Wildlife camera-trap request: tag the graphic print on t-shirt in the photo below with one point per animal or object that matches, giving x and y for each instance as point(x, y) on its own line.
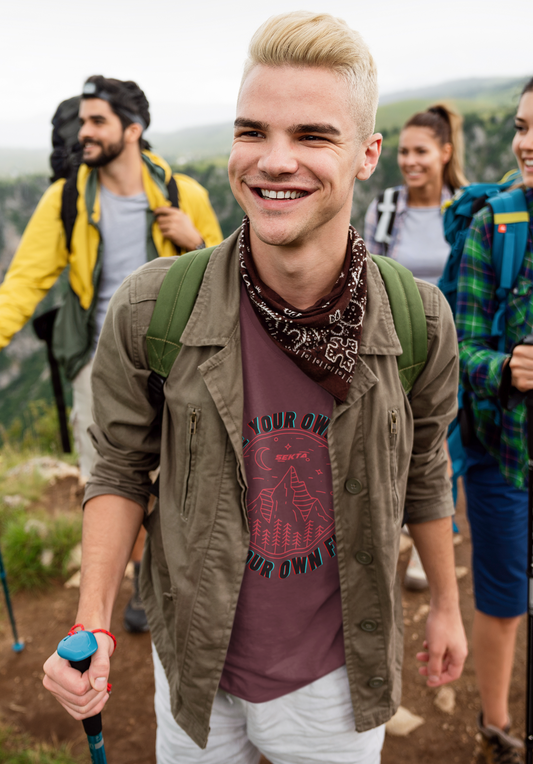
point(290, 502)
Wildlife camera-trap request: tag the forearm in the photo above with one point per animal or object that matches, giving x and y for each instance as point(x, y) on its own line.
point(110, 526)
point(434, 542)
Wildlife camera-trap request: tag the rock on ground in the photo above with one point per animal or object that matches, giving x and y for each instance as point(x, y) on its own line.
point(403, 723)
point(445, 699)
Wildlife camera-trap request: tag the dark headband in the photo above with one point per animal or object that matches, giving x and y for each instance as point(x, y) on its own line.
point(90, 90)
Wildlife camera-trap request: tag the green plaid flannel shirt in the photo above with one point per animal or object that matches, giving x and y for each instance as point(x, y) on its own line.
point(481, 364)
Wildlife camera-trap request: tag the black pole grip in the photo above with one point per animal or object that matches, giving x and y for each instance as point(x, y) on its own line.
point(92, 725)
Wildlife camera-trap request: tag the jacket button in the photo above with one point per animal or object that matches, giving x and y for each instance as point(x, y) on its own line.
point(376, 682)
point(353, 486)
point(364, 558)
point(368, 625)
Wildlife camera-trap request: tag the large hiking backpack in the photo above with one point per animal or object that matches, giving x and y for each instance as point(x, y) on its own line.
point(66, 149)
point(179, 290)
point(510, 218)
point(510, 221)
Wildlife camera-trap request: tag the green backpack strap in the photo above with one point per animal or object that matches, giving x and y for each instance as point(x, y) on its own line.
point(173, 308)
point(409, 318)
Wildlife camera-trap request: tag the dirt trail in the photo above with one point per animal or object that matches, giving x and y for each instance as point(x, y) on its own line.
point(129, 723)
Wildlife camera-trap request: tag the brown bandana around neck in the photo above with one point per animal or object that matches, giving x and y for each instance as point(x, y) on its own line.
point(322, 340)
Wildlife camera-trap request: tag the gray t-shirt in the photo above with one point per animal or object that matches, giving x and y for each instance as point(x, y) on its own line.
point(422, 247)
point(123, 230)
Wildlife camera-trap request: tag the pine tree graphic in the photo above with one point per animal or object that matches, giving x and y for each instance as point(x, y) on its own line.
point(255, 529)
point(286, 536)
point(266, 538)
point(297, 540)
point(276, 539)
point(308, 533)
point(319, 532)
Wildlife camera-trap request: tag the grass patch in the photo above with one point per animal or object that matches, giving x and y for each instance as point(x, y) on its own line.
point(18, 748)
point(36, 549)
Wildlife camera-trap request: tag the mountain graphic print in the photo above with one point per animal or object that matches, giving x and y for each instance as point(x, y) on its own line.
point(290, 503)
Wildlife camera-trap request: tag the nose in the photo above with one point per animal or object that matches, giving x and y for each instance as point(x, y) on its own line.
point(526, 142)
point(277, 158)
point(84, 131)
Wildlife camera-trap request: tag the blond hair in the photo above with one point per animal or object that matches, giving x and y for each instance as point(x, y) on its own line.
point(302, 38)
point(447, 127)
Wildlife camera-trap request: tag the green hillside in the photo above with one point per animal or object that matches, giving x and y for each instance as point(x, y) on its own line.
point(23, 369)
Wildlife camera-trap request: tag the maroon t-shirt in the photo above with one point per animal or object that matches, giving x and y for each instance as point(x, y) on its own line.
point(288, 625)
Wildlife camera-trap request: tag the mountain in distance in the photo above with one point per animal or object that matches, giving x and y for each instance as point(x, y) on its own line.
point(206, 141)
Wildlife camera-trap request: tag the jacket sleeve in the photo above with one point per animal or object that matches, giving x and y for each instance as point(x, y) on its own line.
point(434, 405)
point(126, 432)
point(38, 261)
point(371, 223)
point(194, 200)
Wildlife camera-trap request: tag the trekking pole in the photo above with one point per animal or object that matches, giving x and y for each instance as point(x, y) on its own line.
point(18, 646)
point(529, 692)
point(77, 649)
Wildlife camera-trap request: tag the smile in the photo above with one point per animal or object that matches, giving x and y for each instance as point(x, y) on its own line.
point(267, 194)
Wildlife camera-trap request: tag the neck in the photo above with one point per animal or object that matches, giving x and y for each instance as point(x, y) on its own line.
point(427, 196)
point(123, 176)
point(302, 274)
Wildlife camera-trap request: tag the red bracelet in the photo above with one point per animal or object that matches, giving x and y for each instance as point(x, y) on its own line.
point(81, 627)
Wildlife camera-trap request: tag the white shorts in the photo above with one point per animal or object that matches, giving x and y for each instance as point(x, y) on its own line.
point(81, 417)
point(314, 725)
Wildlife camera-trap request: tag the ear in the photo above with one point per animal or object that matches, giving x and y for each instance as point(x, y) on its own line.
point(133, 133)
point(446, 153)
point(371, 150)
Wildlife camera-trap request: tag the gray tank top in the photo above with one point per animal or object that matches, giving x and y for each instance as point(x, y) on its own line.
point(422, 247)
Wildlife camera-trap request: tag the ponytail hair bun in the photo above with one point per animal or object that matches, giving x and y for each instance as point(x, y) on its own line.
point(447, 127)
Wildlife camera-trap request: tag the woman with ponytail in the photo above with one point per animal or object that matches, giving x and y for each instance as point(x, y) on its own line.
point(405, 222)
point(430, 157)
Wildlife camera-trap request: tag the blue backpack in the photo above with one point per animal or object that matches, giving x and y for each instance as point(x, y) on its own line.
point(511, 220)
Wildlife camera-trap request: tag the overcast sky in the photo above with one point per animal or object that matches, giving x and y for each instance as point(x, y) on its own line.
point(191, 53)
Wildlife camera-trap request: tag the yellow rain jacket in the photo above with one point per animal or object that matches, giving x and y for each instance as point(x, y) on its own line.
point(42, 255)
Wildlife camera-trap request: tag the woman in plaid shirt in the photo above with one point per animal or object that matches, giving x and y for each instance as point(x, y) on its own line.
point(496, 479)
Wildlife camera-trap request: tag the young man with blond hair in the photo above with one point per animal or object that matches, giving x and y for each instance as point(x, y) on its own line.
point(287, 451)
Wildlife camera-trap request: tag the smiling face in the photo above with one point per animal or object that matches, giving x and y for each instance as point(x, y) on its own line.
point(523, 140)
point(296, 154)
point(421, 157)
point(101, 133)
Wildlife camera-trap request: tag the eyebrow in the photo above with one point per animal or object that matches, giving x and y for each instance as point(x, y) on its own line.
point(322, 129)
point(252, 124)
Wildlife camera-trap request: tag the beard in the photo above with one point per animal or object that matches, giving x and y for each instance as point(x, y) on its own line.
point(107, 153)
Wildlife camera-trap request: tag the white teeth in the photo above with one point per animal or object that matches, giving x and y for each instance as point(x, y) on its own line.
point(267, 194)
point(528, 162)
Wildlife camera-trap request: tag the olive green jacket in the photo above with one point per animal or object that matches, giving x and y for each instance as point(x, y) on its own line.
point(383, 450)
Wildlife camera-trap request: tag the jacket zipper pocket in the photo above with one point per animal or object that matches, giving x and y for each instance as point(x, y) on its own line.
point(393, 458)
point(190, 466)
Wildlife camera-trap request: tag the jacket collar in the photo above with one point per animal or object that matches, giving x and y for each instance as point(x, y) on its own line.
point(215, 315)
point(155, 173)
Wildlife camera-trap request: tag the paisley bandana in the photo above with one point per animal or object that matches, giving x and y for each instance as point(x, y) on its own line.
point(322, 340)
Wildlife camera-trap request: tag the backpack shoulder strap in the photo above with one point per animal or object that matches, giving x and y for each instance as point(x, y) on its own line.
point(511, 222)
point(173, 308)
point(387, 202)
point(173, 192)
point(409, 318)
point(69, 206)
